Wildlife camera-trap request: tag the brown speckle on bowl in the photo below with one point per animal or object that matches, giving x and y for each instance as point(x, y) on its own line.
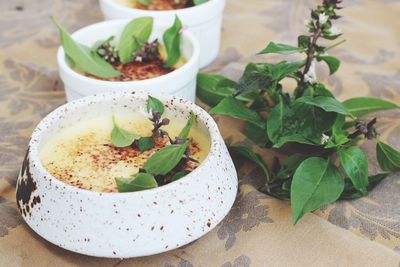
point(25, 190)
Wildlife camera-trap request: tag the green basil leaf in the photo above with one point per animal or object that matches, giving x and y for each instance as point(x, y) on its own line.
point(276, 71)
point(179, 175)
point(84, 57)
point(350, 192)
point(249, 154)
point(212, 88)
point(330, 37)
point(172, 41)
point(138, 182)
point(199, 2)
point(236, 109)
point(302, 123)
point(303, 41)
point(311, 121)
point(155, 104)
point(225, 82)
point(293, 138)
point(355, 163)
point(388, 157)
point(327, 103)
point(337, 127)
point(189, 124)
point(165, 159)
point(290, 165)
point(361, 106)
point(120, 137)
point(280, 49)
point(320, 90)
point(208, 89)
point(146, 143)
point(252, 81)
point(144, 2)
point(136, 30)
point(316, 182)
point(339, 136)
point(256, 134)
point(332, 62)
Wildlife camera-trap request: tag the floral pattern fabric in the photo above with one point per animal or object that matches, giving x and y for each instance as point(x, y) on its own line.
point(258, 230)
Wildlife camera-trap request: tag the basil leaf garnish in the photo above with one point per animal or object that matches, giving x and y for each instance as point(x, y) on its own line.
point(146, 143)
point(172, 41)
point(137, 182)
point(144, 2)
point(85, 58)
point(136, 30)
point(120, 137)
point(165, 159)
point(179, 175)
point(185, 131)
point(153, 104)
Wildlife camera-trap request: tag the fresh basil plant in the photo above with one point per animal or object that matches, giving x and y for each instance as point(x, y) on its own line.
point(319, 133)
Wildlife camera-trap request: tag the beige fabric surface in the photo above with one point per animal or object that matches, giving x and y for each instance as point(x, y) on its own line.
point(257, 231)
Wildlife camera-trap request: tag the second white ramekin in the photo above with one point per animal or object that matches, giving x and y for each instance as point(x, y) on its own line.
point(180, 82)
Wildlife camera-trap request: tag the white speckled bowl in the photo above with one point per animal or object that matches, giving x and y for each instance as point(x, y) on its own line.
point(180, 82)
point(204, 21)
point(122, 225)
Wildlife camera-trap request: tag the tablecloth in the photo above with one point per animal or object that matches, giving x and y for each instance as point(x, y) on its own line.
point(258, 230)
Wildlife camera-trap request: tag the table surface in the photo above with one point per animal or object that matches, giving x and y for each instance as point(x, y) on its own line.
point(257, 231)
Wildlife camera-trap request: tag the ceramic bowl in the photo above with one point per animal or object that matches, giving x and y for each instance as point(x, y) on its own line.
point(121, 225)
point(180, 82)
point(203, 20)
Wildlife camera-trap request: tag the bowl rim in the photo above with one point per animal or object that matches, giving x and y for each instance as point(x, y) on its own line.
point(192, 61)
point(74, 106)
point(210, 4)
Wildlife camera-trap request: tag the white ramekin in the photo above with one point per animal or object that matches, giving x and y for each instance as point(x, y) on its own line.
point(122, 225)
point(204, 21)
point(180, 82)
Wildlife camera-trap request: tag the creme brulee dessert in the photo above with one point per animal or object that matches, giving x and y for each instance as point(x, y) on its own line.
point(83, 155)
point(131, 56)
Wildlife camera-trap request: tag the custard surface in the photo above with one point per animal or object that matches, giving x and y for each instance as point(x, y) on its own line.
point(83, 156)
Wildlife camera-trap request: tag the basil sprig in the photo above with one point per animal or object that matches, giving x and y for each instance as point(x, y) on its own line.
point(153, 104)
point(314, 128)
point(84, 57)
point(161, 162)
point(172, 42)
